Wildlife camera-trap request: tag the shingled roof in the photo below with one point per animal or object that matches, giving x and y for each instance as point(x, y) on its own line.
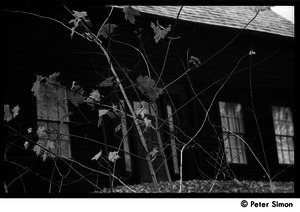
point(226, 16)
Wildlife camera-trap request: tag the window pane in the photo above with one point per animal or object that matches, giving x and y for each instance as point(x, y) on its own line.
point(235, 158)
point(286, 157)
point(291, 143)
point(284, 143)
point(62, 104)
point(280, 156)
point(277, 127)
point(278, 143)
point(292, 157)
point(173, 142)
point(64, 141)
point(224, 123)
point(228, 154)
point(128, 165)
point(51, 107)
point(290, 129)
point(232, 119)
point(284, 130)
point(222, 108)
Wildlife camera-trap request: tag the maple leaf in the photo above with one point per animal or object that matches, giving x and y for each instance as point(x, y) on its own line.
point(117, 128)
point(41, 131)
point(15, 111)
point(37, 149)
point(94, 96)
point(195, 61)
point(252, 52)
point(36, 86)
point(29, 130)
point(159, 31)
point(76, 94)
point(44, 156)
point(147, 85)
point(78, 16)
point(148, 124)
point(115, 108)
point(50, 145)
point(101, 113)
point(153, 152)
point(130, 12)
point(107, 82)
point(141, 110)
point(113, 156)
point(26, 144)
point(7, 114)
point(111, 115)
point(261, 8)
point(97, 156)
point(107, 30)
point(52, 79)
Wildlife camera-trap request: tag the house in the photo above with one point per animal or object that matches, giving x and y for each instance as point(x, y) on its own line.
point(245, 82)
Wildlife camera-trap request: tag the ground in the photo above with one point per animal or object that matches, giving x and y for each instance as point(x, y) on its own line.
point(209, 186)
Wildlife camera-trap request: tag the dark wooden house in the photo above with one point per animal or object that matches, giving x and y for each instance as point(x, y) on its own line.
point(235, 108)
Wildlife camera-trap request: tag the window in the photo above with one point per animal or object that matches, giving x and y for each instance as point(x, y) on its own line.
point(52, 114)
point(284, 134)
point(233, 131)
point(128, 163)
point(148, 110)
point(172, 139)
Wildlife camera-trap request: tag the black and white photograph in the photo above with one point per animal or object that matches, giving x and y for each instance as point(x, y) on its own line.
point(149, 101)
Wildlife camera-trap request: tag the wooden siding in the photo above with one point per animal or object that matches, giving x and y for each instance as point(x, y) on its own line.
point(29, 52)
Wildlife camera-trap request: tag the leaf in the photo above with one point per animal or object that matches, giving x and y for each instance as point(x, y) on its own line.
point(26, 144)
point(15, 111)
point(52, 79)
point(252, 53)
point(65, 116)
point(130, 12)
point(41, 131)
point(111, 115)
point(147, 85)
point(36, 86)
point(37, 149)
point(141, 110)
point(115, 108)
point(195, 61)
point(159, 31)
point(97, 156)
point(29, 130)
point(94, 96)
point(113, 156)
point(148, 124)
point(101, 113)
point(107, 82)
point(117, 128)
point(99, 121)
point(153, 152)
point(76, 94)
point(50, 145)
point(44, 156)
point(78, 16)
point(107, 30)
point(261, 8)
point(7, 114)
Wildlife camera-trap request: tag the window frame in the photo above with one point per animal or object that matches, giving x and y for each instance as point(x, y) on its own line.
point(239, 143)
point(281, 135)
point(42, 122)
